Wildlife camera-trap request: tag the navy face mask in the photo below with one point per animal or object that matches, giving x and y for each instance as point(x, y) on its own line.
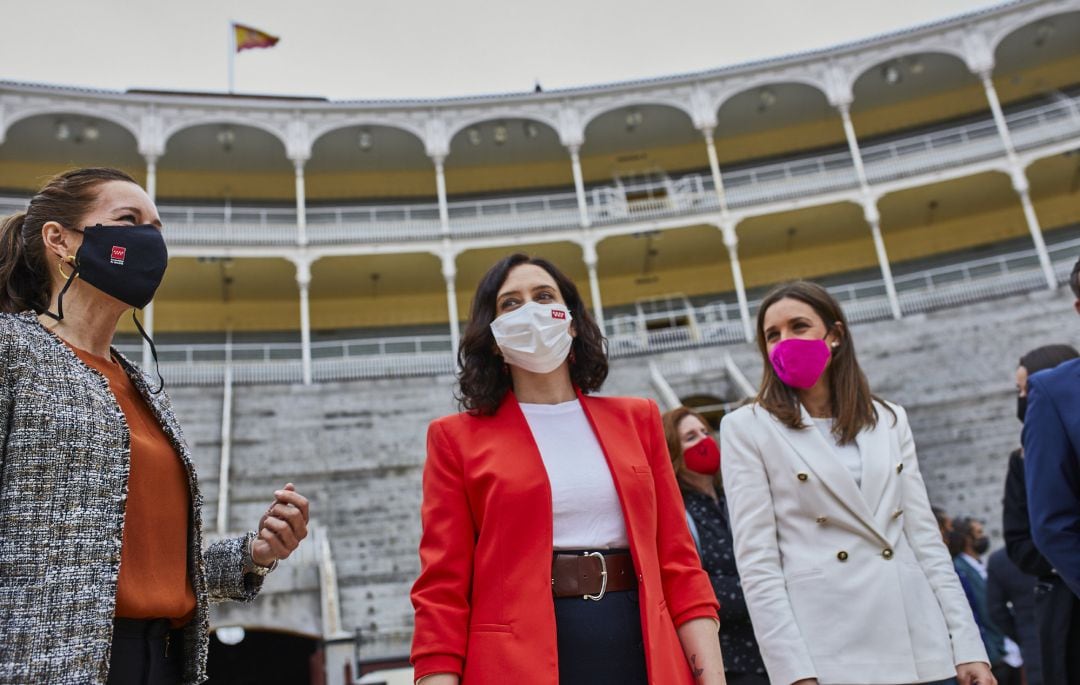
point(126, 262)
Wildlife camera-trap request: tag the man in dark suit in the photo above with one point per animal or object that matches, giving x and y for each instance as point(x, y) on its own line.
point(1052, 470)
point(968, 544)
point(1010, 599)
point(1054, 602)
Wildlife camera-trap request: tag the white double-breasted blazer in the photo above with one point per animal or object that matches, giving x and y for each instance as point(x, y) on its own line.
point(845, 583)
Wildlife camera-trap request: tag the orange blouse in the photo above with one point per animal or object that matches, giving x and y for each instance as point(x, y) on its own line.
point(154, 579)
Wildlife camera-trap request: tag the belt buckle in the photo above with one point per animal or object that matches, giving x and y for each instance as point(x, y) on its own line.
point(603, 576)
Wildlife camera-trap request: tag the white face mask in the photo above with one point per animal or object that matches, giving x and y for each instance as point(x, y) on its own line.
point(535, 337)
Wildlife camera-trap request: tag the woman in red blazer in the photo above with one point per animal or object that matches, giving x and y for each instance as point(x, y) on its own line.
point(555, 548)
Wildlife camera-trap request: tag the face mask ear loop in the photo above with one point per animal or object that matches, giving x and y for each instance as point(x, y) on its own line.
point(59, 315)
point(153, 352)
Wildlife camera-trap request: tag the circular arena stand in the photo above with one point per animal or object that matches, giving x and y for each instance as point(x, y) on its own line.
point(323, 253)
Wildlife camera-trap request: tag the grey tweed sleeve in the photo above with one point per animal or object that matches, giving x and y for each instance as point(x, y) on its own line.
point(225, 577)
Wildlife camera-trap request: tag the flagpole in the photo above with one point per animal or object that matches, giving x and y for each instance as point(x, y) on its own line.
point(231, 43)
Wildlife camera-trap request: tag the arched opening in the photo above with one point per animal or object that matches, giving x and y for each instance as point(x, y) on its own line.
point(390, 295)
point(643, 149)
point(254, 656)
point(40, 146)
point(203, 297)
point(826, 243)
point(953, 216)
point(711, 408)
point(1055, 190)
point(1040, 59)
point(368, 163)
point(224, 163)
point(914, 91)
point(506, 155)
point(775, 119)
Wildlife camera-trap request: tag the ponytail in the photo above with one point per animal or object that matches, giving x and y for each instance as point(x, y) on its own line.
point(26, 282)
point(24, 263)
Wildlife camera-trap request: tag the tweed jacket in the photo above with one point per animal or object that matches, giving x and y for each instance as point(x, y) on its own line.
point(63, 489)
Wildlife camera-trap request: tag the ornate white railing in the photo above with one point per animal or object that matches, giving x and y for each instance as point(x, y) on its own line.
point(903, 157)
point(685, 327)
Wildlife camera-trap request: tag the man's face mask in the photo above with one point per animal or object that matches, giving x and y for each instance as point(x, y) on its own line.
point(125, 262)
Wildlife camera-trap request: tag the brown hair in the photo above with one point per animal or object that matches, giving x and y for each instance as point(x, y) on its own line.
point(24, 265)
point(852, 402)
point(483, 380)
point(671, 420)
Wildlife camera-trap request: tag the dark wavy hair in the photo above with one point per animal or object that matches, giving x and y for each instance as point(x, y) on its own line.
point(852, 402)
point(483, 380)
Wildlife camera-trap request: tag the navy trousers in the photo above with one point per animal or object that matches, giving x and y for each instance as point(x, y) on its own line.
point(146, 653)
point(600, 643)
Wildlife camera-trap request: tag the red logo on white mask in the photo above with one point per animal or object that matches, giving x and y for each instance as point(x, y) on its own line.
point(558, 314)
point(119, 254)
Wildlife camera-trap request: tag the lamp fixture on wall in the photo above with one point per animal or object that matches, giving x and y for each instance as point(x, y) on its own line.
point(891, 74)
point(1043, 33)
point(531, 130)
point(766, 99)
point(76, 133)
point(473, 135)
point(364, 140)
point(226, 136)
point(634, 118)
point(500, 134)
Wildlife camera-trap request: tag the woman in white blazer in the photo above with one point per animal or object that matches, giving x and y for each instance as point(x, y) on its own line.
point(841, 560)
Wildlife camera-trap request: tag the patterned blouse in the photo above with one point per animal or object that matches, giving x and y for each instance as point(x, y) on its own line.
point(63, 485)
point(718, 559)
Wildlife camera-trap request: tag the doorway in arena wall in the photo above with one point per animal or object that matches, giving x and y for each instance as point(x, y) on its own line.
point(253, 656)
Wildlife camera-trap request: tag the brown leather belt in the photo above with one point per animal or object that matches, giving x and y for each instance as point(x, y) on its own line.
point(590, 575)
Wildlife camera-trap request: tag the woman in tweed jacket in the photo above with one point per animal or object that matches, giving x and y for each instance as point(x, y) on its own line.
point(67, 455)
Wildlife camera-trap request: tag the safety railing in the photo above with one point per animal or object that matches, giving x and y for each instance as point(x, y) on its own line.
point(689, 326)
point(746, 186)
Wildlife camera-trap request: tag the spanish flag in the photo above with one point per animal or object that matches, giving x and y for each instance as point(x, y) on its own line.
point(247, 38)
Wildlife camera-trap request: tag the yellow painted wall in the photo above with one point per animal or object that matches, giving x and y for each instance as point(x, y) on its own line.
point(31, 176)
point(903, 243)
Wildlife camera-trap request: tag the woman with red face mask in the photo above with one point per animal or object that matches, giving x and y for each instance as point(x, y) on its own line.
point(840, 556)
point(695, 457)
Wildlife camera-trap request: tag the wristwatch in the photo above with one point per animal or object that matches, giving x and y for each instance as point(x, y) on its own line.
point(249, 562)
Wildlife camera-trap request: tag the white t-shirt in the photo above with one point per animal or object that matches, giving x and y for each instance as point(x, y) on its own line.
point(586, 508)
point(848, 455)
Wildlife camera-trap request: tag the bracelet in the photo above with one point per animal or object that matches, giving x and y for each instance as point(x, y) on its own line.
point(249, 561)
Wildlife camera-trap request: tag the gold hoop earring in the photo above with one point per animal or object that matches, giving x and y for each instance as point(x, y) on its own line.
point(60, 267)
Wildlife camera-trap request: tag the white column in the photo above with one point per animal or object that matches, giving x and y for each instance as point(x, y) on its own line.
point(148, 310)
point(449, 271)
point(151, 177)
point(714, 166)
point(440, 188)
point(999, 116)
point(303, 282)
point(591, 262)
point(301, 203)
point(873, 217)
point(1019, 180)
point(1020, 185)
point(731, 242)
point(579, 186)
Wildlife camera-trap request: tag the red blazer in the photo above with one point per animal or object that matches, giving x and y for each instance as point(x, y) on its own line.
point(483, 601)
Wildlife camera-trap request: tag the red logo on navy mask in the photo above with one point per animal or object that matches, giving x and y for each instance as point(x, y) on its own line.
point(557, 314)
point(118, 255)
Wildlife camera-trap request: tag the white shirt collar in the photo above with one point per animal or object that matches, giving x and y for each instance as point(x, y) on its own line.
point(979, 566)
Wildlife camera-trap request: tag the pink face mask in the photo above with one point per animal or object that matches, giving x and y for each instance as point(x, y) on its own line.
point(703, 457)
point(799, 362)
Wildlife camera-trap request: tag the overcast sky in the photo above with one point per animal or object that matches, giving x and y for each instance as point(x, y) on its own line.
point(376, 49)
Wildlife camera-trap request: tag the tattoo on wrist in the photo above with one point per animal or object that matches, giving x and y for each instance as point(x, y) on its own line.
point(694, 667)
